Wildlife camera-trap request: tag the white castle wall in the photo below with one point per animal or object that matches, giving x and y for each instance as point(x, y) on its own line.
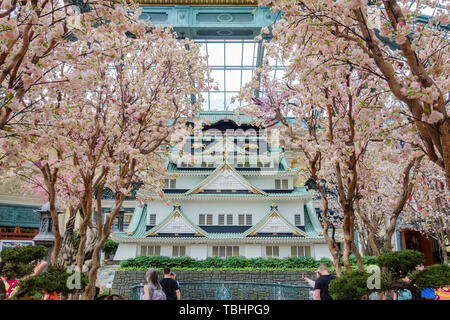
point(126, 251)
point(258, 208)
point(202, 251)
point(268, 182)
point(261, 182)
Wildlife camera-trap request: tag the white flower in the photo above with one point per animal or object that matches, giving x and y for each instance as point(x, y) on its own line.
point(434, 116)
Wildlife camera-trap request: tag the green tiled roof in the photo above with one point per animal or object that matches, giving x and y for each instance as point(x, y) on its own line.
point(12, 215)
point(214, 116)
point(312, 224)
point(138, 223)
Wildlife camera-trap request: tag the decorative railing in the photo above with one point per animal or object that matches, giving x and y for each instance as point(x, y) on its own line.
point(18, 235)
point(234, 291)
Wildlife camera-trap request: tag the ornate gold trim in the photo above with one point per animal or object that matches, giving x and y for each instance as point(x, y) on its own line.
point(177, 214)
point(274, 214)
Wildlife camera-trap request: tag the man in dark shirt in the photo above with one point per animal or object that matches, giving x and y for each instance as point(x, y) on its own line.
point(321, 284)
point(170, 286)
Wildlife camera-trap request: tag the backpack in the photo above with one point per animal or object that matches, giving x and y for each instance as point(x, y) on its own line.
point(157, 294)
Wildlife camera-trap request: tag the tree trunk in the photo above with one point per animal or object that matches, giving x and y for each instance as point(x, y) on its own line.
point(445, 141)
point(89, 291)
point(443, 249)
point(86, 205)
point(92, 238)
point(358, 257)
point(66, 253)
point(348, 238)
point(56, 233)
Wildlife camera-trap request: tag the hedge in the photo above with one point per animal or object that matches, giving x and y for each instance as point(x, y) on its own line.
point(231, 263)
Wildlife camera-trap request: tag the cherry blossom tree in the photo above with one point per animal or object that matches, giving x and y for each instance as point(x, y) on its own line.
point(31, 33)
point(384, 189)
point(428, 207)
point(382, 40)
point(127, 91)
point(333, 127)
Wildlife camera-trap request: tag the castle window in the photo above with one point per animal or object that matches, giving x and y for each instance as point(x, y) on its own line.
point(300, 251)
point(178, 251)
point(170, 183)
point(225, 251)
point(152, 219)
point(205, 219)
point(127, 218)
point(221, 219)
point(229, 219)
point(148, 251)
point(298, 219)
point(272, 251)
point(281, 184)
point(245, 219)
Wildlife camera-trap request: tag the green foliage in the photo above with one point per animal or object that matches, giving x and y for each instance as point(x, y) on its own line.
point(76, 238)
point(230, 263)
point(401, 262)
point(350, 286)
point(326, 261)
point(369, 260)
point(110, 247)
point(24, 254)
point(55, 279)
point(19, 261)
point(434, 276)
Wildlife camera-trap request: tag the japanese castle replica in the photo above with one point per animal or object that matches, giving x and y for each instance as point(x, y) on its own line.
point(231, 193)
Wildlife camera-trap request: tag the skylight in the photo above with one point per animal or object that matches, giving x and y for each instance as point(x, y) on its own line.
point(232, 64)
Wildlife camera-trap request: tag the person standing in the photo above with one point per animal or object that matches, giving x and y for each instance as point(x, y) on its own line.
point(173, 275)
point(153, 290)
point(321, 284)
point(170, 286)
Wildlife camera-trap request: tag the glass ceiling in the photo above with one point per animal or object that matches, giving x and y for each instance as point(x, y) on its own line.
point(232, 64)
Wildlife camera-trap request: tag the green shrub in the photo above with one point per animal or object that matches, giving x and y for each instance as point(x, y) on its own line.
point(400, 262)
point(434, 276)
point(54, 279)
point(110, 247)
point(350, 286)
point(20, 261)
point(326, 261)
point(369, 260)
point(230, 263)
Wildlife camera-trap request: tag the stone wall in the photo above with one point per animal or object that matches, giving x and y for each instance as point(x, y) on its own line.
point(124, 279)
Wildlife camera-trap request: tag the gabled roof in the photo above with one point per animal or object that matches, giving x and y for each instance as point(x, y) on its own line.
point(225, 174)
point(177, 223)
point(274, 218)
